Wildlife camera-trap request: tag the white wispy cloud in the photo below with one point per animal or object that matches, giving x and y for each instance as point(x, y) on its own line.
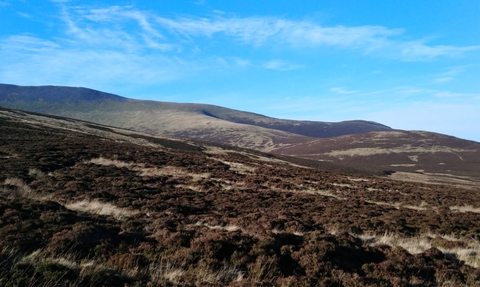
point(263, 30)
point(418, 51)
point(106, 44)
point(449, 75)
point(29, 60)
point(342, 91)
point(112, 27)
point(280, 65)
point(300, 34)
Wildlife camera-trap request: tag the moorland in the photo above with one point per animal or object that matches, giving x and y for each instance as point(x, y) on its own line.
point(418, 156)
point(84, 204)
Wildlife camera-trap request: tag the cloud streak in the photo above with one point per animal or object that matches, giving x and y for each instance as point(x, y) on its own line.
point(123, 44)
point(342, 91)
point(112, 24)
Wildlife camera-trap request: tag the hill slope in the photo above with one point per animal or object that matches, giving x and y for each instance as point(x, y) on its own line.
point(429, 156)
point(415, 155)
point(162, 117)
point(88, 205)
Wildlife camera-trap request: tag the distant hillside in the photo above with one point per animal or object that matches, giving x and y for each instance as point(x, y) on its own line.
point(431, 157)
point(425, 156)
point(157, 116)
point(54, 94)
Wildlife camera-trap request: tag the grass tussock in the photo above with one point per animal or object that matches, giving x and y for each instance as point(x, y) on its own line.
point(465, 208)
point(173, 171)
point(228, 227)
point(423, 206)
point(114, 162)
point(100, 208)
point(465, 249)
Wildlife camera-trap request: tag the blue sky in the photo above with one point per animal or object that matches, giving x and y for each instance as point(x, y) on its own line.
point(411, 65)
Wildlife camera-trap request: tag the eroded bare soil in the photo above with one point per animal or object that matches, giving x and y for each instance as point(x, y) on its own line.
point(119, 209)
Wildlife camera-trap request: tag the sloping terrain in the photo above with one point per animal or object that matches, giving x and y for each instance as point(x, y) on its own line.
point(89, 205)
point(197, 121)
point(416, 156)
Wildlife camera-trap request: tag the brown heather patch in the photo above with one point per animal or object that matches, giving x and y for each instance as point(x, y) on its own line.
point(133, 216)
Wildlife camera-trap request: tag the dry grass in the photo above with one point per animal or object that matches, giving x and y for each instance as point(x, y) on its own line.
point(465, 208)
point(165, 270)
point(470, 254)
point(174, 171)
point(229, 227)
point(240, 167)
point(114, 162)
point(327, 193)
point(424, 206)
point(36, 173)
point(224, 275)
point(394, 150)
point(22, 187)
point(436, 178)
point(97, 207)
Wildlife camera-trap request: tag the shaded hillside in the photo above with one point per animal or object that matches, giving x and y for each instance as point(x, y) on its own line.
point(40, 99)
point(89, 205)
point(54, 94)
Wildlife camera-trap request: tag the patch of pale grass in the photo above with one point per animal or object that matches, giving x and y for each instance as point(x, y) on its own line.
point(240, 167)
point(228, 227)
point(114, 162)
point(359, 179)
point(38, 257)
point(165, 270)
point(224, 275)
point(100, 208)
point(342, 185)
point(424, 206)
point(36, 173)
point(172, 171)
point(326, 193)
point(470, 254)
point(465, 208)
point(403, 164)
point(414, 245)
point(22, 187)
point(297, 232)
point(166, 170)
point(394, 150)
point(277, 231)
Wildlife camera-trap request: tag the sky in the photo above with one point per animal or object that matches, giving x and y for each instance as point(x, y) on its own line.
point(412, 65)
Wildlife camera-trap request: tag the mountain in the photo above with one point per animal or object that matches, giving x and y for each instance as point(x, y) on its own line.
point(197, 121)
point(415, 155)
point(84, 204)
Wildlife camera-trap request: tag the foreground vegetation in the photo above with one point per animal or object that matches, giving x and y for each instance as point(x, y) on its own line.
point(84, 205)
